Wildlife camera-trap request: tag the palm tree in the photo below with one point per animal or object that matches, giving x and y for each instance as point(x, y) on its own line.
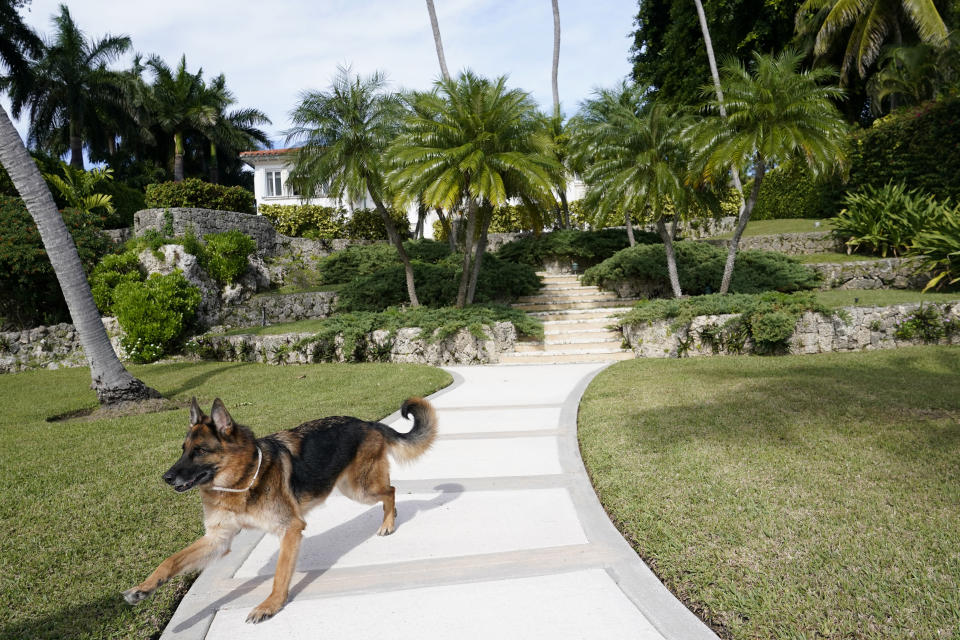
point(775, 113)
point(345, 131)
point(436, 39)
point(556, 56)
point(111, 381)
point(232, 131)
point(69, 82)
point(870, 24)
point(18, 43)
point(475, 142)
point(180, 103)
point(912, 74)
point(638, 161)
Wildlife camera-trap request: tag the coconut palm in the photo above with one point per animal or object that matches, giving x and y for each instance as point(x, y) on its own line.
point(474, 142)
point(18, 43)
point(344, 132)
point(870, 23)
point(556, 57)
point(775, 113)
point(232, 131)
point(69, 82)
point(436, 39)
point(180, 102)
point(637, 160)
point(912, 74)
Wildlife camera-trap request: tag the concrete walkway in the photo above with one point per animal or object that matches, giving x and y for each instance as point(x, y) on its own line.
point(499, 535)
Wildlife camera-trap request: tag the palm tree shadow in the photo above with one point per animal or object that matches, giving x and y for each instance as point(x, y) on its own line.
point(328, 547)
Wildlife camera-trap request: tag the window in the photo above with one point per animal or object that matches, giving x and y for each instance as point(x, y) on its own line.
point(273, 184)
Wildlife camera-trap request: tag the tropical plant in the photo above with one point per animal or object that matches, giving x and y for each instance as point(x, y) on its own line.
point(69, 87)
point(111, 381)
point(639, 162)
point(18, 43)
point(438, 43)
point(775, 113)
point(938, 247)
point(476, 142)
point(344, 132)
point(910, 75)
point(869, 24)
point(232, 131)
point(79, 188)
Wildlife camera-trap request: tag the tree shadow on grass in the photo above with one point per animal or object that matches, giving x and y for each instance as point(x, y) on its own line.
point(195, 381)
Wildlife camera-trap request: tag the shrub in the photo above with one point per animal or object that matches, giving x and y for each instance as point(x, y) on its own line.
point(791, 191)
point(356, 261)
point(29, 291)
point(155, 314)
point(938, 247)
point(225, 255)
point(194, 192)
point(367, 224)
point(700, 270)
point(126, 202)
point(886, 219)
point(584, 247)
point(305, 220)
point(109, 273)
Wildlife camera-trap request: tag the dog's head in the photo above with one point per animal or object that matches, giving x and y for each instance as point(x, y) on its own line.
point(207, 448)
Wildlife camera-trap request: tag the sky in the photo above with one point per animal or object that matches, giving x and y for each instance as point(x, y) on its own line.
point(271, 52)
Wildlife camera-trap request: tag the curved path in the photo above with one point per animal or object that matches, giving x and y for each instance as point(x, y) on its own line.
point(499, 535)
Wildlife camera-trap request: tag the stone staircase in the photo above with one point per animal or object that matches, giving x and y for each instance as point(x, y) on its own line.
point(575, 320)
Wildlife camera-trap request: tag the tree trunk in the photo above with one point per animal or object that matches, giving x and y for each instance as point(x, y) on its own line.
point(745, 212)
point(397, 242)
point(708, 42)
point(421, 221)
point(565, 208)
point(436, 39)
point(467, 251)
point(629, 224)
point(447, 224)
point(76, 147)
point(671, 258)
point(556, 57)
point(478, 256)
point(178, 151)
point(214, 169)
point(111, 381)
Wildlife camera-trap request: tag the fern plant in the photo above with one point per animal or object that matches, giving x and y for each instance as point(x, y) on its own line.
point(78, 188)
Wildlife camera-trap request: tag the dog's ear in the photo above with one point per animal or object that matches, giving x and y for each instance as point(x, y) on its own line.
point(196, 415)
point(221, 418)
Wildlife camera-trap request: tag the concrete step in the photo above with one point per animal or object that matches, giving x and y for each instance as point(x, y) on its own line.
point(551, 288)
point(558, 280)
point(551, 327)
point(568, 296)
point(569, 333)
point(569, 345)
point(577, 314)
point(553, 357)
point(588, 303)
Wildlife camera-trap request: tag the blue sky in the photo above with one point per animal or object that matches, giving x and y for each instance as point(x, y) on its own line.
point(272, 51)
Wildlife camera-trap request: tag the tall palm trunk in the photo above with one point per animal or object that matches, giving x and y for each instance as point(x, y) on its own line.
point(486, 218)
point(394, 237)
point(178, 151)
point(760, 169)
point(436, 39)
point(556, 57)
point(76, 146)
point(466, 273)
point(214, 169)
point(629, 224)
point(447, 224)
point(111, 381)
point(667, 237)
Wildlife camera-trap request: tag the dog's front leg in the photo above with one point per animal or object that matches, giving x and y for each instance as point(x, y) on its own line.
point(286, 562)
point(196, 556)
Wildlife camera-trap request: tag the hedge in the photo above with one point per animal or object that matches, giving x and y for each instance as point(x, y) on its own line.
point(194, 192)
point(585, 247)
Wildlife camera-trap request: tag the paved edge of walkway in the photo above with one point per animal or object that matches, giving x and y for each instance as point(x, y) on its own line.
point(664, 611)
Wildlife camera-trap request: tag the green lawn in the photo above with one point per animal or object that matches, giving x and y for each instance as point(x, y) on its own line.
point(880, 297)
point(310, 325)
point(85, 513)
point(789, 497)
point(785, 225)
point(808, 258)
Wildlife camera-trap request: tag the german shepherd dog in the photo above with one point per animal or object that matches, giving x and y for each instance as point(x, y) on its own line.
point(270, 483)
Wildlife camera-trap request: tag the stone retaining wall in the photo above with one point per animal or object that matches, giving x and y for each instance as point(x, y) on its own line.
point(406, 345)
point(276, 308)
point(886, 273)
point(865, 329)
point(52, 347)
point(789, 243)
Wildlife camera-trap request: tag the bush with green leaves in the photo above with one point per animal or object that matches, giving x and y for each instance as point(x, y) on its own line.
point(791, 191)
point(938, 248)
point(700, 270)
point(886, 220)
point(362, 260)
point(367, 224)
point(126, 202)
point(437, 284)
point(769, 319)
point(225, 255)
point(305, 220)
point(194, 192)
point(436, 324)
point(584, 247)
point(155, 314)
point(109, 273)
point(29, 291)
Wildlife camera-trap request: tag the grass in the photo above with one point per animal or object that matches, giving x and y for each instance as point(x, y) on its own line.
point(789, 497)
point(832, 257)
point(784, 225)
point(880, 297)
point(85, 514)
point(295, 288)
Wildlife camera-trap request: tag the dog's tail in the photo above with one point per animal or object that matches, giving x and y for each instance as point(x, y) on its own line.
point(413, 444)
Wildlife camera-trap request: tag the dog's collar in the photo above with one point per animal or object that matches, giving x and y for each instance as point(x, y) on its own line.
point(252, 480)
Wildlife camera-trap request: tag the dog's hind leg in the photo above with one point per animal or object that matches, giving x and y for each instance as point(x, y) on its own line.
point(286, 562)
point(208, 548)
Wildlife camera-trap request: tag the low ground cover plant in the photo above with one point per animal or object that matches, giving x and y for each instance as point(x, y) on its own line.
point(584, 247)
point(700, 270)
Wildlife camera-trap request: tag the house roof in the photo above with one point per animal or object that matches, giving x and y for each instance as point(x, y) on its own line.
point(266, 153)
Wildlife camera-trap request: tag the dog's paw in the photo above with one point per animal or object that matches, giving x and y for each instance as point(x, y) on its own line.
point(386, 530)
point(262, 612)
point(135, 595)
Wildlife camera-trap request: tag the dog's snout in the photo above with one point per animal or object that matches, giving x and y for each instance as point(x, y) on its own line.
point(169, 476)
